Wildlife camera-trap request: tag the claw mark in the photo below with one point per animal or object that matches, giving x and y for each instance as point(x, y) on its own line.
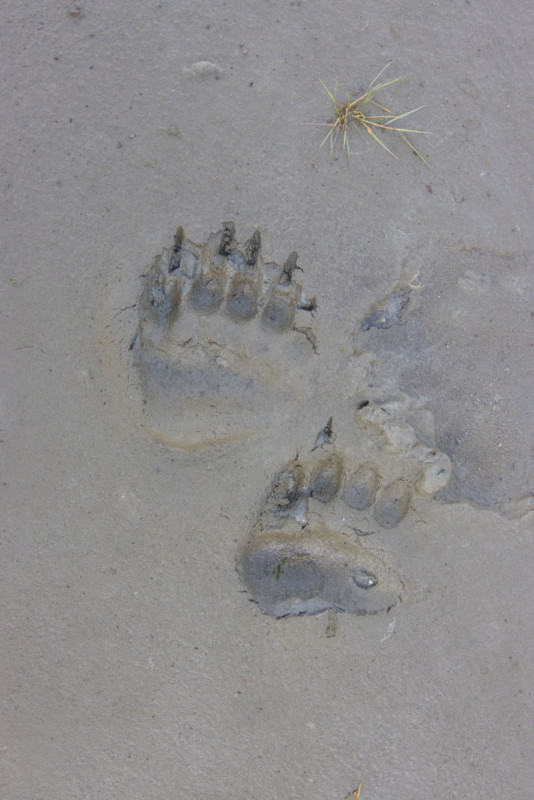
point(326, 435)
point(289, 267)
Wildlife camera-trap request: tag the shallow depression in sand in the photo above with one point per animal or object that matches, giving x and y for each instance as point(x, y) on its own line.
point(222, 340)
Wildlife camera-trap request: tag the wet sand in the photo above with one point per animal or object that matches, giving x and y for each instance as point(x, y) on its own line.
point(134, 662)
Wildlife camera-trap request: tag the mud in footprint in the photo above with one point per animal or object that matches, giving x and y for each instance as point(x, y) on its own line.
point(456, 331)
point(307, 551)
point(222, 335)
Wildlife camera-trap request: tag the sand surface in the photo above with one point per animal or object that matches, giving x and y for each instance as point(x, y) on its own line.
point(133, 663)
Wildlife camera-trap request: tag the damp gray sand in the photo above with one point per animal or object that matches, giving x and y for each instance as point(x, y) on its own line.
point(134, 662)
point(306, 553)
point(313, 570)
point(218, 338)
point(446, 341)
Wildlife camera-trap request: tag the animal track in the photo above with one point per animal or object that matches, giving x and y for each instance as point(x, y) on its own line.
point(218, 333)
point(221, 354)
point(439, 333)
point(296, 562)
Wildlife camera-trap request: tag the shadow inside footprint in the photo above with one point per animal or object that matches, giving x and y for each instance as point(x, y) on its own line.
point(305, 553)
point(218, 340)
point(457, 334)
point(309, 571)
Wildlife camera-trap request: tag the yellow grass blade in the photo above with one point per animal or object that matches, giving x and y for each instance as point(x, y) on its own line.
point(417, 153)
point(380, 142)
